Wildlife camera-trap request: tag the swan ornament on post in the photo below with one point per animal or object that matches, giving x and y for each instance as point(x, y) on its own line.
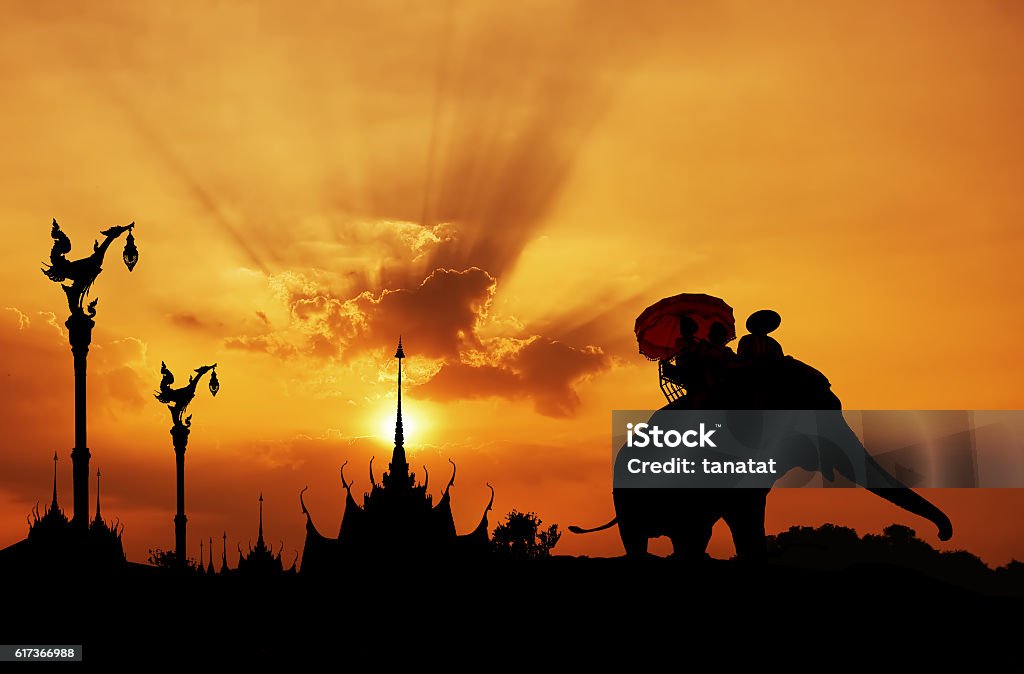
point(76, 278)
point(82, 273)
point(177, 401)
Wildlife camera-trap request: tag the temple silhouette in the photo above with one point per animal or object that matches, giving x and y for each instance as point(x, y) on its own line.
point(210, 569)
point(397, 519)
point(54, 539)
point(261, 560)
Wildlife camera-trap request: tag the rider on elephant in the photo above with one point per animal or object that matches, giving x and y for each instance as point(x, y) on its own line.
point(758, 347)
point(682, 368)
point(700, 365)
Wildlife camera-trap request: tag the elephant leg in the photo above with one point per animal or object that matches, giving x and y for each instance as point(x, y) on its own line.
point(635, 542)
point(632, 510)
point(745, 517)
point(690, 542)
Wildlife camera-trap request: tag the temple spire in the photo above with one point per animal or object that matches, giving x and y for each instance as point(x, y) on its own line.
point(201, 569)
point(210, 570)
point(259, 539)
point(53, 505)
point(98, 476)
point(399, 466)
point(224, 555)
point(399, 431)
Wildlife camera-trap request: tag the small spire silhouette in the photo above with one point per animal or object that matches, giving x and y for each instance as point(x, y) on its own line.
point(98, 475)
point(259, 539)
point(399, 431)
point(399, 466)
point(224, 554)
point(200, 554)
point(53, 505)
point(210, 570)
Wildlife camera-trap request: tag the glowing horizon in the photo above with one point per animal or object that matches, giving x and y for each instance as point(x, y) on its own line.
point(506, 187)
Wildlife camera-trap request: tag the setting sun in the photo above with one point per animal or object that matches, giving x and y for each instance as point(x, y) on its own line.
point(413, 425)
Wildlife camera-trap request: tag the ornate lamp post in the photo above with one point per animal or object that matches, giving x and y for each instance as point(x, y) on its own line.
point(82, 274)
point(177, 400)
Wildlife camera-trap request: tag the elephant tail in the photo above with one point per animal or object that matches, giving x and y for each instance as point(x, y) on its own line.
point(579, 530)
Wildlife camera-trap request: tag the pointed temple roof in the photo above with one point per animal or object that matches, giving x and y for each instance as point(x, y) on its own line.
point(398, 470)
point(224, 555)
point(210, 570)
point(110, 533)
point(53, 504)
point(53, 522)
point(397, 518)
point(261, 560)
point(52, 541)
point(99, 518)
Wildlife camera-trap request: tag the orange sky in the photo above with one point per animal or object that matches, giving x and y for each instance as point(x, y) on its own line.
point(508, 186)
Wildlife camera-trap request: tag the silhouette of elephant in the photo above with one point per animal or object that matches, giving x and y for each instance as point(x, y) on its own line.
point(686, 515)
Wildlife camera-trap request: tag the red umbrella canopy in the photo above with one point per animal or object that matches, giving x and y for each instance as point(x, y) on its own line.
point(657, 328)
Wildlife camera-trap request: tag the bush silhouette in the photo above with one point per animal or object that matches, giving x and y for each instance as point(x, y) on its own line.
point(520, 537)
point(167, 559)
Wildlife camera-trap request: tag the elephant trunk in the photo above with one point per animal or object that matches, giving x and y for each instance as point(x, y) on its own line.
point(880, 482)
point(858, 466)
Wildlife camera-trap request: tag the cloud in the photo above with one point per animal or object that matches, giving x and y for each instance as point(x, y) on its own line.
point(122, 371)
point(440, 316)
point(38, 410)
point(270, 344)
point(125, 386)
point(23, 320)
point(186, 320)
point(31, 379)
point(543, 370)
point(40, 376)
point(440, 320)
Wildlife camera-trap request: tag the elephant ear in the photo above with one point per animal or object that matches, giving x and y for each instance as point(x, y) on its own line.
point(832, 458)
point(827, 469)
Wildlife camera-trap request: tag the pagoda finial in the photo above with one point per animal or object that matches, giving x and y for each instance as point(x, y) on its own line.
point(259, 539)
point(98, 476)
point(53, 505)
point(200, 554)
point(399, 431)
point(224, 554)
point(398, 459)
point(209, 568)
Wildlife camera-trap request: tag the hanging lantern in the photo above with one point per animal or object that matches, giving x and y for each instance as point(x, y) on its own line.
point(214, 383)
point(131, 253)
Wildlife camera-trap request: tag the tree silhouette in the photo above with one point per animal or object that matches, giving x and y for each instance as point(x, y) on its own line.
point(520, 537)
point(899, 534)
point(168, 559)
